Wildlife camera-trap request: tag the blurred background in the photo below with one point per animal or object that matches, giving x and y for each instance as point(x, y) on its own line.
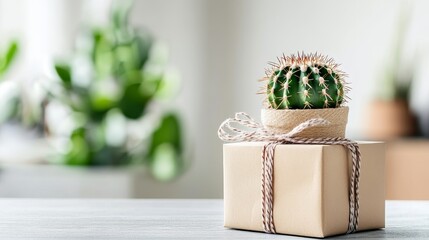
point(123, 99)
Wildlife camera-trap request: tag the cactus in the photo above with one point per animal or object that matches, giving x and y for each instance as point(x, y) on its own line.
point(304, 82)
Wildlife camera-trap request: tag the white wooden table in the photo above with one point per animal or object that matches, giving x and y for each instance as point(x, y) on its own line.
point(165, 219)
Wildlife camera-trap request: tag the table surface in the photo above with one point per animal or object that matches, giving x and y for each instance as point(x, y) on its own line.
point(166, 219)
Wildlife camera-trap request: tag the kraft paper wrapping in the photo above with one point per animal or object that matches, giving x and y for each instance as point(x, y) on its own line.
point(311, 188)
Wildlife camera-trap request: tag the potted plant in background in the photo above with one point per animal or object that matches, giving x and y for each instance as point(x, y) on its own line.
point(19, 107)
point(389, 114)
point(21, 114)
point(113, 93)
point(107, 111)
point(10, 96)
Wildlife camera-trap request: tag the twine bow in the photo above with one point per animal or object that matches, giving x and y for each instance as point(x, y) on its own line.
point(256, 132)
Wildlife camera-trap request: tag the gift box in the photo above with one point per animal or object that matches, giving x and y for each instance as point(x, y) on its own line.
point(311, 185)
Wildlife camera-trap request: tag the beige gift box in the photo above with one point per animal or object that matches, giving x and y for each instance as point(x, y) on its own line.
point(311, 188)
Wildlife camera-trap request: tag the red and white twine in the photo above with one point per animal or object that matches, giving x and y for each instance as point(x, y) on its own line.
point(257, 133)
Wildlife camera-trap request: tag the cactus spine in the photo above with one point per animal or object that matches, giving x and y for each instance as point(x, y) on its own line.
point(305, 81)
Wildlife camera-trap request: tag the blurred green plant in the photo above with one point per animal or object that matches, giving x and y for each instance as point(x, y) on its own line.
point(7, 57)
point(116, 76)
point(10, 103)
point(17, 104)
point(397, 76)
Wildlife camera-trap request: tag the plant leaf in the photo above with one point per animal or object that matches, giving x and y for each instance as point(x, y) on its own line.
point(133, 102)
point(79, 153)
point(169, 131)
point(165, 150)
point(10, 55)
point(64, 72)
point(141, 46)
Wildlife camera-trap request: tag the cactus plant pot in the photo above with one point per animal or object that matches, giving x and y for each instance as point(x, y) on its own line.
point(284, 120)
point(388, 120)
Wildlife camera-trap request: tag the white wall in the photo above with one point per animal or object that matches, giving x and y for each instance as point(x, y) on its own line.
point(222, 47)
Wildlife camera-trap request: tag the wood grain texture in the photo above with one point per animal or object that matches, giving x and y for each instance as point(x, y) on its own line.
point(165, 219)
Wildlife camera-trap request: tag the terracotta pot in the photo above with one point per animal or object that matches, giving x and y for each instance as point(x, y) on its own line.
point(389, 119)
point(283, 121)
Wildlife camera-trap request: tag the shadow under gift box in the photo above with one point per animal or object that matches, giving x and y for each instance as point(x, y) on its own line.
point(311, 188)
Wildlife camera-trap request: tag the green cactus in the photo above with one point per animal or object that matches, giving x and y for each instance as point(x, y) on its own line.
point(305, 81)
